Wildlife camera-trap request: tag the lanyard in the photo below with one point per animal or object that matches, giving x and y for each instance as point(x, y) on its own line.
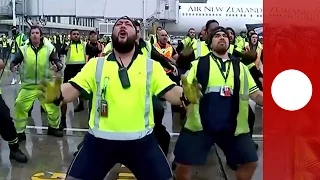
point(221, 71)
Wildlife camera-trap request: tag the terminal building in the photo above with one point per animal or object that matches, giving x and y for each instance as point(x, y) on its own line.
point(85, 15)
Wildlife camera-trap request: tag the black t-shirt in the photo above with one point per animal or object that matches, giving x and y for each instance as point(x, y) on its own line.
point(92, 50)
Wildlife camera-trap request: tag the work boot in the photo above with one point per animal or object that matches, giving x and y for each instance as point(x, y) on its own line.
point(17, 154)
point(80, 107)
point(55, 132)
point(21, 137)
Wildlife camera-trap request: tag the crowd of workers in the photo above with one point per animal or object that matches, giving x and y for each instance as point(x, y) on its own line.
point(208, 80)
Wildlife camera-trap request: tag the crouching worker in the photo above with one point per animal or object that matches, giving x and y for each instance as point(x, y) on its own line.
point(37, 59)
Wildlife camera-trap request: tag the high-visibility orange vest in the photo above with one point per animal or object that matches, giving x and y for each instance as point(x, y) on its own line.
point(167, 52)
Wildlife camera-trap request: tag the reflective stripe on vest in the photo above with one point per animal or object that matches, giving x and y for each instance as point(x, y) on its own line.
point(198, 49)
point(76, 61)
point(121, 135)
point(244, 96)
point(4, 43)
point(149, 48)
point(251, 65)
point(24, 67)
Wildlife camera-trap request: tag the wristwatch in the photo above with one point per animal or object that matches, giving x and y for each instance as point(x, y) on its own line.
point(184, 100)
point(58, 101)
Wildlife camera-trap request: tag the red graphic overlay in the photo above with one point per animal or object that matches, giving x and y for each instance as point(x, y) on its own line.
point(291, 138)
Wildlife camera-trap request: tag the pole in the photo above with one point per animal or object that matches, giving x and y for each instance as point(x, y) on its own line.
point(14, 16)
point(144, 2)
point(23, 14)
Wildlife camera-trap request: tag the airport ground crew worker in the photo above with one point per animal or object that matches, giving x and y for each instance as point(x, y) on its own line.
point(189, 39)
point(161, 134)
point(93, 47)
point(223, 112)
point(7, 130)
point(254, 46)
point(35, 60)
point(75, 59)
point(234, 49)
point(247, 58)
point(240, 41)
point(154, 37)
point(115, 136)
point(195, 50)
point(163, 47)
point(18, 39)
point(5, 47)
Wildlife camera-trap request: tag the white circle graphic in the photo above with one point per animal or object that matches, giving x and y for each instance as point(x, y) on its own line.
point(291, 90)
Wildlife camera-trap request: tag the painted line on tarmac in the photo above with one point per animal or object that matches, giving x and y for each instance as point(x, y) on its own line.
point(125, 175)
point(85, 130)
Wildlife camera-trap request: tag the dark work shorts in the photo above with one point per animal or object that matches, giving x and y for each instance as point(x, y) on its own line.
point(97, 156)
point(71, 71)
point(192, 148)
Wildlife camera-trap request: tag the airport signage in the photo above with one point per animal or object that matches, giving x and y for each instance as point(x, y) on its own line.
point(223, 9)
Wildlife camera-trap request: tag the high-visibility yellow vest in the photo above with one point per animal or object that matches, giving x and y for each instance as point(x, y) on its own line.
point(241, 43)
point(55, 39)
point(108, 48)
point(215, 83)
point(251, 65)
point(154, 38)
point(147, 50)
point(138, 121)
point(35, 67)
point(231, 48)
point(4, 43)
point(200, 48)
point(76, 54)
point(186, 41)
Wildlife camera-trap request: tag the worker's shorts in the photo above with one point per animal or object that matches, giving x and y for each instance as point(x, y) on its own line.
point(192, 148)
point(71, 71)
point(97, 156)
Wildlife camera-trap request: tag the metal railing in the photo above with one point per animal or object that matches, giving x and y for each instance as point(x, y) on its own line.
point(150, 20)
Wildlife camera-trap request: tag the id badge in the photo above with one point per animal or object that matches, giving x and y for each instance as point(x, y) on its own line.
point(225, 91)
point(104, 108)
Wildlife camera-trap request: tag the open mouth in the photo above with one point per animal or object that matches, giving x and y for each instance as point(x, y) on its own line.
point(123, 34)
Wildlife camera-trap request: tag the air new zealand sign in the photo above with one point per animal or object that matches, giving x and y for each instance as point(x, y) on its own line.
point(223, 9)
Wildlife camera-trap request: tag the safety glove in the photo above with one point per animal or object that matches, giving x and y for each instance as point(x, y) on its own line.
point(188, 49)
point(191, 91)
point(48, 92)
